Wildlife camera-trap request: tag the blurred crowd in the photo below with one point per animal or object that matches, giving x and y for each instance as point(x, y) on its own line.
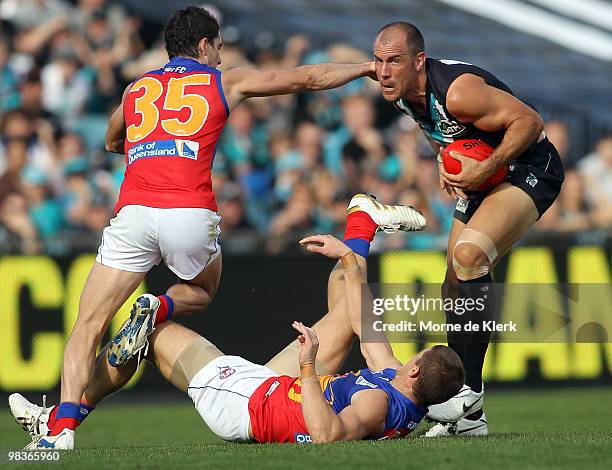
point(285, 166)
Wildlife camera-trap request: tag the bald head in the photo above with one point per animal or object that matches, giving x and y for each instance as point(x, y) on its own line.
point(409, 33)
point(399, 57)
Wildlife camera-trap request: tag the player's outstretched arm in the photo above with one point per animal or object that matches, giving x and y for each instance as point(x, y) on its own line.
point(375, 348)
point(240, 83)
point(115, 132)
point(363, 418)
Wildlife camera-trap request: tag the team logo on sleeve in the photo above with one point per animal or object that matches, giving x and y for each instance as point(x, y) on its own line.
point(225, 372)
point(364, 383)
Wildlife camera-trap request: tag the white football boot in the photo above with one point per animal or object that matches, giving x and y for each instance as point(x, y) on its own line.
point(463, 427)
point(63, 441)
point(132, 338)
point(466, 402)
point(389, 218)
point(32, 418)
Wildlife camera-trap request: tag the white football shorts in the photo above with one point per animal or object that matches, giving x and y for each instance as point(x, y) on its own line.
point(139, 237)
point(221, 391)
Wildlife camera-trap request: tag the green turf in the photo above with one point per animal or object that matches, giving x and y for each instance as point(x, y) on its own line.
point(529, 429)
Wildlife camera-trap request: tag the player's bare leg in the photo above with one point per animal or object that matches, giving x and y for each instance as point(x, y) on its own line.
point(167, 343)
point(178, 352)
point(337, 329)
point(106, 379)
point(105, 291)
point(504, 227)
point(183, 298)
point(333, 330)
point(484, 240)
point(175, 350)
point(197, 294)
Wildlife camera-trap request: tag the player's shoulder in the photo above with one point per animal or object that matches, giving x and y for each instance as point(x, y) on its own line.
point(444, 74)
point(450, 65)
point(238, 75)
point(445, 71)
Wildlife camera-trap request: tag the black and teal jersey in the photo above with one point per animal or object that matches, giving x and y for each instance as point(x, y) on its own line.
point(437, 122)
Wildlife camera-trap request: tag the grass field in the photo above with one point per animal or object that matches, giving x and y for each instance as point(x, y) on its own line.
point(569, 428)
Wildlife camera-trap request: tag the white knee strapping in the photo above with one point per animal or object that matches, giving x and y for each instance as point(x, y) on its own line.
point(483, 242)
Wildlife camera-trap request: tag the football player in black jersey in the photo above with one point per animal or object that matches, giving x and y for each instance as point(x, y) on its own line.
point(452, 100)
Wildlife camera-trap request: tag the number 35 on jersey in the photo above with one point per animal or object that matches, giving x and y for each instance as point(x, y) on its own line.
point(177, 99)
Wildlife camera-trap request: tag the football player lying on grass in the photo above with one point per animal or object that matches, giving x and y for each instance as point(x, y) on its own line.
point(298, 395)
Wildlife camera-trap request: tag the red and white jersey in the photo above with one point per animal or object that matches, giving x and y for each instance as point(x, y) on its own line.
point(173, 117)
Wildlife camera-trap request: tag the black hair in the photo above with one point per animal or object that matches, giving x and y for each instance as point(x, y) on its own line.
point(187, 28)
point(414, 38)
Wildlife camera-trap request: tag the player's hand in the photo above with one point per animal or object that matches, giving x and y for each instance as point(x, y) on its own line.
point(372, 71)
point(309, 343)
point(473, 172)
point(326, 245)
point(452, 191)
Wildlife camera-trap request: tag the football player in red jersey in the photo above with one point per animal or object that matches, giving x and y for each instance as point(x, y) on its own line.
point(298, 395)
point(167, 125)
